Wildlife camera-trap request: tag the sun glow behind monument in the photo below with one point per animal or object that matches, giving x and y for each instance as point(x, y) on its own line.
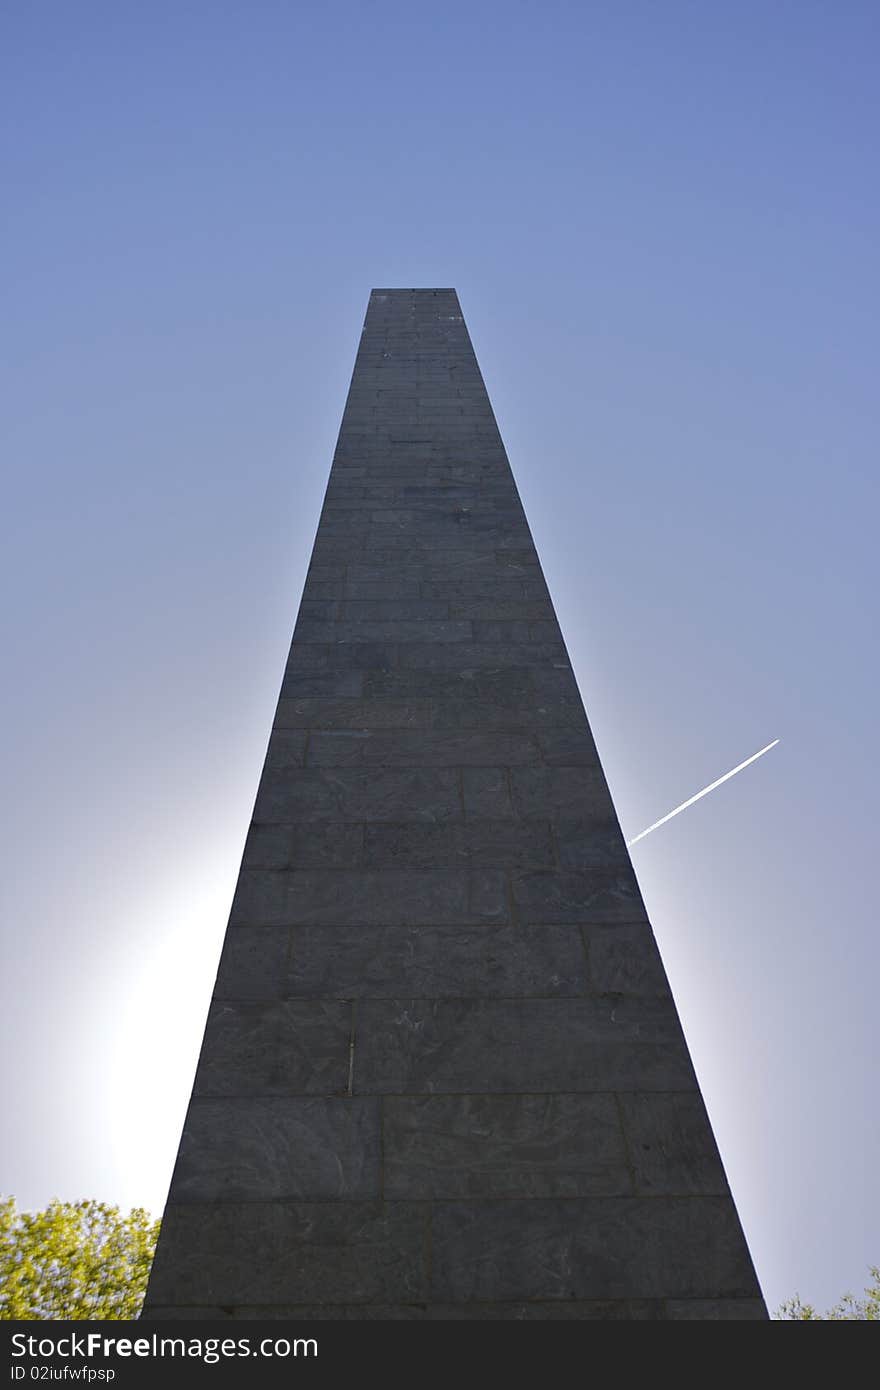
point(147, 1069)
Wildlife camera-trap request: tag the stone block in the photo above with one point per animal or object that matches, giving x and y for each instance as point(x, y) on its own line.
point(300, 685)
point(429, 962)
point(275, 1048)
point(502, 844)
point(353, 794)
point(473, 656)
point(420, 748)
point(595, 1247)
point(397, 609)
point(311, 630)
point(624, 959)
point(321, 845)
point(343, 714)
point(423, 1046)
point(286, 749)
point(589, 895)
point(444, 1147)
point(591, 844)
point(486, 793)
point(278, 1252)
point(380, 897)
point(671, 1145)
point(335, 656)
point(559, 792)
point(246, 1149)
point(253, 963)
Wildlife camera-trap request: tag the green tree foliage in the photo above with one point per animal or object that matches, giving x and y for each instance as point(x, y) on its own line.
point(74, 1260)
point(849, 1309)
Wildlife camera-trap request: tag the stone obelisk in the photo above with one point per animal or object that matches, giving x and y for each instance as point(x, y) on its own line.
point(443, 1075)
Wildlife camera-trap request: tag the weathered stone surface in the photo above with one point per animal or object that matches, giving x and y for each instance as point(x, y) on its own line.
point(244, 1149)
point(589, 844)
point(286, 750)
point(475, 656)
point(420, 748)
point(273, 1252)
point(353, 794)
point(559, 792)
point(369, 897)
point(591, 895)
point(319, 713)
point(596, 1247)
point(671, 1146)
point(396, 609)
point(432, 962)
point(568, 746)
point(486, 793)
point(323, 684)
point(322, 845)
point(275, 1048)
point(491, 843)
point(312, 630)
point(253, 963)
point(624, 960)
point(519, 1045)
point(314, 657)
point(503, 1146)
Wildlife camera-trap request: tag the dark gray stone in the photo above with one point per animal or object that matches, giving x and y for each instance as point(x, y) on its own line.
point(418, 1046)
point(253, 964)
point(671, 1146)
point(568, 745)
point(566, 792)
point(337, 897)
point(595, 1247)
point(334, 656)
point(469, 656)
point(323, 845)
point(402, 608)
point(429, 962)
point(519, 610)
point(503, 1146)
point(591, 895)
point(352, 794)
point(589, 844)
point(486, 793)
point(275, 1252)
point(415, 748)
point(262, 1150)
point(625, 960)
point(490, 843)
point(275, 1048)
point(312, 630)
point(286, 750)
point(315, 713)
point(443, 1076)
point(480, 687)
point(323, 684)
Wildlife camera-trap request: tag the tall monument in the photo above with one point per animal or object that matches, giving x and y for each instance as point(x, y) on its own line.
point(443, 1075)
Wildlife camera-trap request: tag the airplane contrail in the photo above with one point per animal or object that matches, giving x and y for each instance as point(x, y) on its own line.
point(705, 792)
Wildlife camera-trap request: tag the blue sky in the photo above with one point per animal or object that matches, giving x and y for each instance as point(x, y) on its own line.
point(662, 222)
